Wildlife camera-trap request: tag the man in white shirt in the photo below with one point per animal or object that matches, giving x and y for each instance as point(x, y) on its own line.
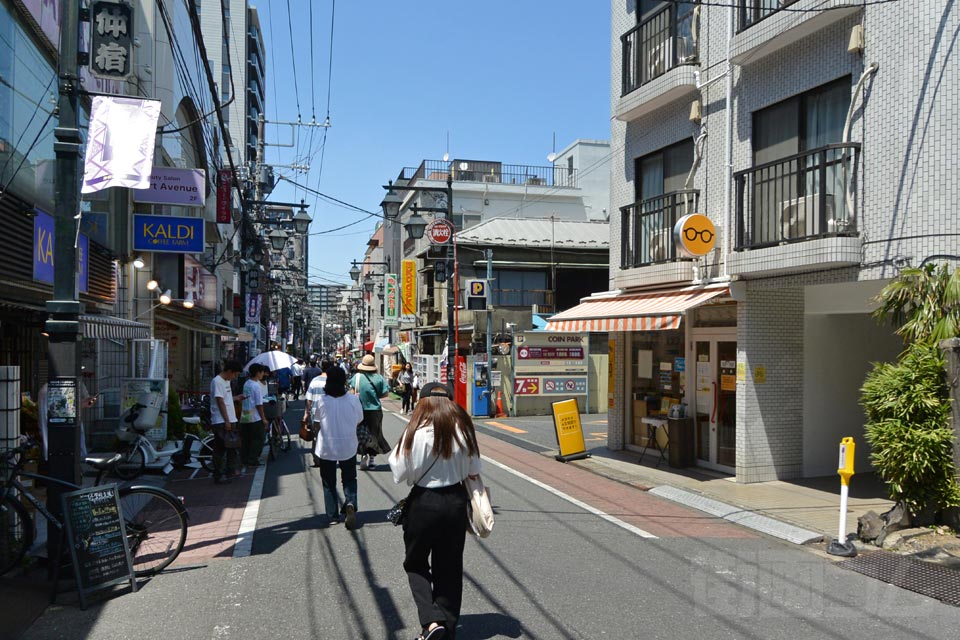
point(253, 420)
point(223, 419)
point(296, 383)
point(314, 391)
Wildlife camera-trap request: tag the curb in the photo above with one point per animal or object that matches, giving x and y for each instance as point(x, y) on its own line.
point(742, 517)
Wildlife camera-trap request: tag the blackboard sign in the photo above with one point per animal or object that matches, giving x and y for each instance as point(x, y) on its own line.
point(97, 539)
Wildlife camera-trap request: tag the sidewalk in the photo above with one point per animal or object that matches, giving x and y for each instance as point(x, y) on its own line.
point(801, 511)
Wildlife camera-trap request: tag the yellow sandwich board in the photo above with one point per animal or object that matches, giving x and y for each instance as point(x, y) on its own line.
point(566, 423)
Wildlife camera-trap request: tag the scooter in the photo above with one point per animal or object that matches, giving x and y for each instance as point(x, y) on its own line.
point(138, 453)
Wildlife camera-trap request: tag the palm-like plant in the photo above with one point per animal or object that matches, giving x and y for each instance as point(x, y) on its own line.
point(924, 302)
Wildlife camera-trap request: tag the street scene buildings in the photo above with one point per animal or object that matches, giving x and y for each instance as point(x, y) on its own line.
point(661, 331)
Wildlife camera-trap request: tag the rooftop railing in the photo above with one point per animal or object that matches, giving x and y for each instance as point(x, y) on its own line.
point(493, 173)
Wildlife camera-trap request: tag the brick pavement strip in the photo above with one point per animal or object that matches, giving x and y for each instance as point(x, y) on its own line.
point(635, 507)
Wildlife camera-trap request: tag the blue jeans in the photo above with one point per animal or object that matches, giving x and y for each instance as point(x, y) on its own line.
point(348, 476)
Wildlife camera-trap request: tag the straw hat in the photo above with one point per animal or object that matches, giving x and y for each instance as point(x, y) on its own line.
point(367, 364)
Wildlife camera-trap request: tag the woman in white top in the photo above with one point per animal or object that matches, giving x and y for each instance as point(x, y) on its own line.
point(338, 414)
point(436, 452)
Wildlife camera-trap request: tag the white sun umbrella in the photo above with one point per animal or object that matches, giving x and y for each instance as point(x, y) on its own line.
point(275, 360)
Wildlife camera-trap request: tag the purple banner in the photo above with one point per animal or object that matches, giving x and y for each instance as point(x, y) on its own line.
point(168, 185)
point(43, 245)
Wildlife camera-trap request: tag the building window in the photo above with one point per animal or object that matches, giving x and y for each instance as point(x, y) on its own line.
point(663, 171)
point(520, 289)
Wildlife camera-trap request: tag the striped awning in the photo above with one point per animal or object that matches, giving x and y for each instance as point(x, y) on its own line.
point(112, 328)
point(655, 311)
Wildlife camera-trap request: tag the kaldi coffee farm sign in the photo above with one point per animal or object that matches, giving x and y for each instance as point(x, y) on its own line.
point(440, 231)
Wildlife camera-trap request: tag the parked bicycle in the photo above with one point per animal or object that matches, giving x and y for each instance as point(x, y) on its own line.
point(278, 437)
point(155, 519)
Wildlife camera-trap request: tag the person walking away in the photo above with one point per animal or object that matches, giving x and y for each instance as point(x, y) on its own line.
point(405, 379)
point(284, 380)
point(296, 380)
point(312, 371)
point(415, 391)
point(313, 392)
point(253, 420)
point(436, 452)
point(370, 386)
point(223, 419)
point(337, 414)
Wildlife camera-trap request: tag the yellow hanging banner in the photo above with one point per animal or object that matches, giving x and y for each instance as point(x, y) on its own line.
point(408, 289)
point(566, 422)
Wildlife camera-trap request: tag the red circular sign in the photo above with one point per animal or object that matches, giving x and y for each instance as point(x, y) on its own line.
point(440, 231)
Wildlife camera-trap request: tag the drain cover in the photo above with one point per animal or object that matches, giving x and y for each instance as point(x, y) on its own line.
point(932, 580)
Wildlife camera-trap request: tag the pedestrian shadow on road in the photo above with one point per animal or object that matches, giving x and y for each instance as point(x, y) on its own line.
point(481, 626)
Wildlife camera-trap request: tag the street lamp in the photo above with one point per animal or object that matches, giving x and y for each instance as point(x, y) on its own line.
point(355, 272)
point(416, 225)
point(391, 204)
point(301, 221)
point(277, 239)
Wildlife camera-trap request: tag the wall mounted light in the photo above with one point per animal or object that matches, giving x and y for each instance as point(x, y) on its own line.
point(188, 304)
point(165, 297)
point(138, 262)
point(153, 284)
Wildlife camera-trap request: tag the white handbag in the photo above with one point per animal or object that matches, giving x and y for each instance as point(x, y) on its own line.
point(479, 509)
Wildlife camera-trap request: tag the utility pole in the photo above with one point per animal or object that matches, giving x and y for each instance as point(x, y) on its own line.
point(63, 311)
point(490, 409)
point(451, 276)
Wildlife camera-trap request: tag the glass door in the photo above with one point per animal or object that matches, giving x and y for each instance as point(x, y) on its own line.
point(715, 417)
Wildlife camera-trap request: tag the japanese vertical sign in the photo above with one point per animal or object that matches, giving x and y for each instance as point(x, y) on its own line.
point(253, 308)
point(223, 196)
point(111, 44)
point(408, 285)
point(391, 300)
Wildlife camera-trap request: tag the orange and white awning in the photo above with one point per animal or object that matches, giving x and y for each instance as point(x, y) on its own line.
point(654, 311)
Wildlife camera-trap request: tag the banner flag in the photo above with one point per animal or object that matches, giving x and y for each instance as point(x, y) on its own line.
point(391, 306)
point(120, 145)
point(408, 289)
point(253, 308)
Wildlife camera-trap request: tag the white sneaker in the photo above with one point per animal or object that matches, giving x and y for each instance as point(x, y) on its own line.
point(363, 463)
point(370, 462)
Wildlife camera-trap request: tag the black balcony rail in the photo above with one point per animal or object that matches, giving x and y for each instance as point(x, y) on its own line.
point(803, 196)
point(493, 173)
point(646, 227)
point(753, 11)
point(663, 41)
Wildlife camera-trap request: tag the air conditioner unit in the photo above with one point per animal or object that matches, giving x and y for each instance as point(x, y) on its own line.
point(660, 245)
point(799, 216)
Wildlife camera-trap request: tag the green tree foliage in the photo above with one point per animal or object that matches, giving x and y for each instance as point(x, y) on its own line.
point(924, 303)
point(908, 427)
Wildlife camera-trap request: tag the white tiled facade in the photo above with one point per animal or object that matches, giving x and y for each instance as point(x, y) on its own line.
point(907, 190)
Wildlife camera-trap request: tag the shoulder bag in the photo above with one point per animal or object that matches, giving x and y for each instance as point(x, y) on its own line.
point(479, 509)
point(398, 514)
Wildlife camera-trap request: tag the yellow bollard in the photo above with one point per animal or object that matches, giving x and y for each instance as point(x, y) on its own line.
point(841, 546)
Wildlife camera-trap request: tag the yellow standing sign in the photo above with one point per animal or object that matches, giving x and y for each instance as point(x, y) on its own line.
point(566, 422)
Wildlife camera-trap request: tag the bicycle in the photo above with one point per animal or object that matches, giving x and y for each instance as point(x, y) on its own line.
point(139, 451)
point(155, 519)
point(278, 437)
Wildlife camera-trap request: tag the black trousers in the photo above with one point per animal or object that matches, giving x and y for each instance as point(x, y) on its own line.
point(434, 534)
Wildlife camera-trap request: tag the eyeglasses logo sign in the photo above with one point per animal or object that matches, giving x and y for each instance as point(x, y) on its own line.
point(694, 235)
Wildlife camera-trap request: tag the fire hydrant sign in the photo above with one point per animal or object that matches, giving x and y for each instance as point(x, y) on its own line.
point(440, 231)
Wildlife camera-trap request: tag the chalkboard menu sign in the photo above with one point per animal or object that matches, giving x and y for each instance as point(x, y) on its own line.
point(97, 539)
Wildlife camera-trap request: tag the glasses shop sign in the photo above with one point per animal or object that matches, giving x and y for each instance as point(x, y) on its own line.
point(168, 234)
point(695, 235)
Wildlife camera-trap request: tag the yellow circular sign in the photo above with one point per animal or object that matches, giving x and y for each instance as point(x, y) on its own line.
point(694, 235)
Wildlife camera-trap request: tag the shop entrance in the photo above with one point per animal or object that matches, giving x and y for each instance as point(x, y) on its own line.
point(715, 401)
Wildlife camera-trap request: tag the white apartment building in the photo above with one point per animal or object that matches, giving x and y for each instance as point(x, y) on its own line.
point(818, 138)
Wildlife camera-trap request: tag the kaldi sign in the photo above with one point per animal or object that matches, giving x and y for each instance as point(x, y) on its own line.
point(223, 197)
point(440, 231)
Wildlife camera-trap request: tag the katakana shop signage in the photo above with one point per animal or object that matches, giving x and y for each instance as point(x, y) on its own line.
point(408, 283)
point(111, 42)
point(391, 300)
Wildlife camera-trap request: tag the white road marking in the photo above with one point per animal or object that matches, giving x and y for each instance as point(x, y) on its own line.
point(248, 524)
point(583, 505)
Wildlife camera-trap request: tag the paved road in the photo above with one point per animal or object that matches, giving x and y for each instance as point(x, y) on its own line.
point(537, 432)
point(572, 557)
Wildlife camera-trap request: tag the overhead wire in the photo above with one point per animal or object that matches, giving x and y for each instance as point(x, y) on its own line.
point(326, 128)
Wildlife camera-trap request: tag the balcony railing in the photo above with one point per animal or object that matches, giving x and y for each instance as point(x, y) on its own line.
point(803, 196)
point(646, 231)
point(493, 173)
point(663, 41)
point(753, 11)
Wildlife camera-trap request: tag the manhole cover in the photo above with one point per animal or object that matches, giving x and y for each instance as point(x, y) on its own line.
point(932, 580)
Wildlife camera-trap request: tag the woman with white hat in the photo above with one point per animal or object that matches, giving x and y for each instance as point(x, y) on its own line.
point(370, 386)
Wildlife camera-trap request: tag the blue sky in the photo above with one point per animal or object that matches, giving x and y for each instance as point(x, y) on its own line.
point(501, 77)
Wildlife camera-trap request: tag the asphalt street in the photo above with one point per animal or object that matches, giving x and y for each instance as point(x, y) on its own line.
point(573, 555)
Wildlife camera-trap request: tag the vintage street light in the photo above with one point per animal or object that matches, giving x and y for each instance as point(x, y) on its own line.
point(391, 204)
point(277, 239)
point(301, 221)
point(355, 272)
point(416, 225)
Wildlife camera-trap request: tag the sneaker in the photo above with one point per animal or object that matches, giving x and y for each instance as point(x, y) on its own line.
point(434, 634)
point(363, 462)
point(350, 519)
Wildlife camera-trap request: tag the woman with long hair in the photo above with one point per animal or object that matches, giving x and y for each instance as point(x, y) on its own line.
point(436, 452)
point(406, 379)
point(335, 416)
